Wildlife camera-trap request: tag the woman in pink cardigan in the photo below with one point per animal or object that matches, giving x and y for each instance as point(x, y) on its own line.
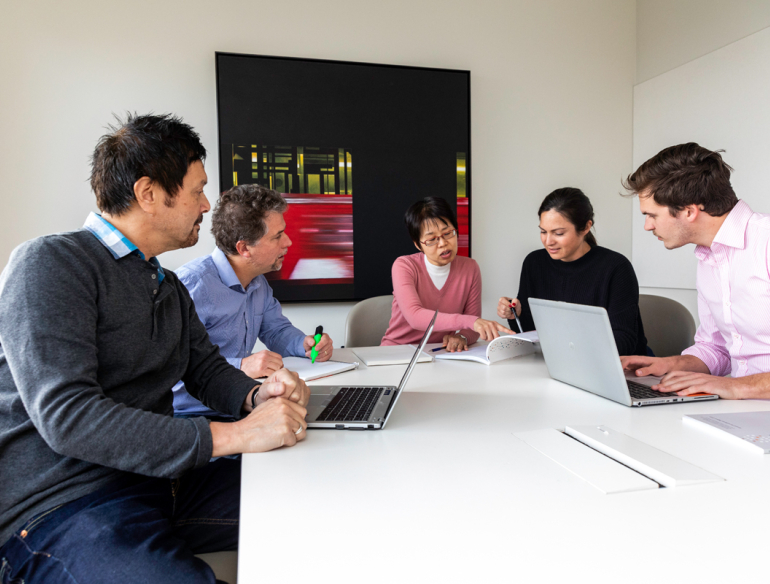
point(437, 278)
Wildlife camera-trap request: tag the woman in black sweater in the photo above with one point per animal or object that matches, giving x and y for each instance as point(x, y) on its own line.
point(573, 268)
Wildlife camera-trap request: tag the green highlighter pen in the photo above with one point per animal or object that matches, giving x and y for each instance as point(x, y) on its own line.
point(313, 353)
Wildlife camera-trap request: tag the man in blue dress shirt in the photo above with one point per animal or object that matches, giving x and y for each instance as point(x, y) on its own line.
point(232, 296)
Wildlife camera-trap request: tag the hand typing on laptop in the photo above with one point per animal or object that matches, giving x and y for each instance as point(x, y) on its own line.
point(691, 382)
point(643, 365)
point(687, 375)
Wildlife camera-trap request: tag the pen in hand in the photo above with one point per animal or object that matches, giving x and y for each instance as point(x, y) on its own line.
point(516, 316)
point(319, 331)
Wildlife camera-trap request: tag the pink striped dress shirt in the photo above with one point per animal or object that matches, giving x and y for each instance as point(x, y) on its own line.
point(734, 296)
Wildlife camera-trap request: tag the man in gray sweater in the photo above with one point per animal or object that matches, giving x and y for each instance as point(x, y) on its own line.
point(99, 482)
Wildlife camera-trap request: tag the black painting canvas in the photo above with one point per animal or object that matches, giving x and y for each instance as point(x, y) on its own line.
point(351, 146)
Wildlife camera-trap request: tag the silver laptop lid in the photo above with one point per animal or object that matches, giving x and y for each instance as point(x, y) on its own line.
point(579, 347)
point(412, 363)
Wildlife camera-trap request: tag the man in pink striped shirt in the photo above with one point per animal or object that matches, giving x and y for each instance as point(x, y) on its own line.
point(686, 197)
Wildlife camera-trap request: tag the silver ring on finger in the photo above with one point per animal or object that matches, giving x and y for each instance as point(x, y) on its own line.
point(299, 430)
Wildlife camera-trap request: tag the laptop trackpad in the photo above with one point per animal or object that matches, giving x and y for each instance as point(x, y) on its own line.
point(319, 399)
point(313, 412)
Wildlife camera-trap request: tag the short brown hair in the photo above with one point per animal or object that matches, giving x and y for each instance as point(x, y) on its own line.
point(687, 174)
point(240, 215)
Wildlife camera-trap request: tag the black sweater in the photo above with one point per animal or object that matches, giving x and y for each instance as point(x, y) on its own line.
point(601, 277)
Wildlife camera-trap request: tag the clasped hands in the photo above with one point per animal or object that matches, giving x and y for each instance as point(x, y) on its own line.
point(279, 416)
point(278, 420)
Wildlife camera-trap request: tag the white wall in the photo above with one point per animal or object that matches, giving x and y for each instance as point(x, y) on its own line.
point(670, 34)
point(719, 101)
point(696, 60)
point(551, 100)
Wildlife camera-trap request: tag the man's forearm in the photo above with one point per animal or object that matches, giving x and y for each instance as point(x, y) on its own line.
point(754, 386)
point(224, 438)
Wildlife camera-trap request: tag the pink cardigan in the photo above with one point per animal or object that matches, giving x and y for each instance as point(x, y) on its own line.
point(415, 298)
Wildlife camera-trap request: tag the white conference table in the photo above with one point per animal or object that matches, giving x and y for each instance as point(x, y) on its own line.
point(447, 493)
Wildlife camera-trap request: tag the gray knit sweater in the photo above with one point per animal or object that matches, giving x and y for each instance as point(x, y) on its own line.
point(90, 348)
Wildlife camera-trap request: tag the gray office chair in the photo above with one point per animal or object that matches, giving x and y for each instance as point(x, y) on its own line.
point(367, 321)
point(668, 326)
point(224, 564)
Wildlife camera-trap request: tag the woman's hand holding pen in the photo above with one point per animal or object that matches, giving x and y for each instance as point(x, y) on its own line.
point(454, 343)
point(504, 307)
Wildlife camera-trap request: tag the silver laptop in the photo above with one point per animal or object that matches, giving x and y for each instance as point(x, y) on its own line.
point(580, 350)
point(367, 407)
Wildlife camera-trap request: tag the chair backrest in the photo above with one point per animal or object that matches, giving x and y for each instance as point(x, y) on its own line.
point(668, 326)
point(367, 321)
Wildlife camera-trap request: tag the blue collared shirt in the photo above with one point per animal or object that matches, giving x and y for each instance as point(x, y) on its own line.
point(234, 317)
point(118, 244)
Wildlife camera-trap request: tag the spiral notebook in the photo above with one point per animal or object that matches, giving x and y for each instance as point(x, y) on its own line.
point(308, 371)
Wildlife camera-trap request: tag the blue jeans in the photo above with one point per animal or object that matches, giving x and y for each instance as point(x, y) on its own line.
point(135, 530)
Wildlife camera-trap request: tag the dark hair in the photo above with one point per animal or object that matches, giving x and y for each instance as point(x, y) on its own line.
point(687, 174)
point(574, 206)
point(159, 147)
point(240, 215)
point(429, 209)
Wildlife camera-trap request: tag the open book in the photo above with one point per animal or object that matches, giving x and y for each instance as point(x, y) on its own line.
point(502, 348)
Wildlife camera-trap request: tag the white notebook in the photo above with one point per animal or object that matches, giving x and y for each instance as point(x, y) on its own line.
point(500, 349)
point(308, 371)
point(751, 429)
point(389, 355)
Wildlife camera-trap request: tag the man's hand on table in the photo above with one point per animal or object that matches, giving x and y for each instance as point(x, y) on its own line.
point(261, 364)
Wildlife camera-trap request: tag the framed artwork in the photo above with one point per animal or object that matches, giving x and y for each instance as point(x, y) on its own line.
point(351, 146)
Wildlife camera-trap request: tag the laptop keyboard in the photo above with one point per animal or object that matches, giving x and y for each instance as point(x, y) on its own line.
point(352, 404)
point(639, 391)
